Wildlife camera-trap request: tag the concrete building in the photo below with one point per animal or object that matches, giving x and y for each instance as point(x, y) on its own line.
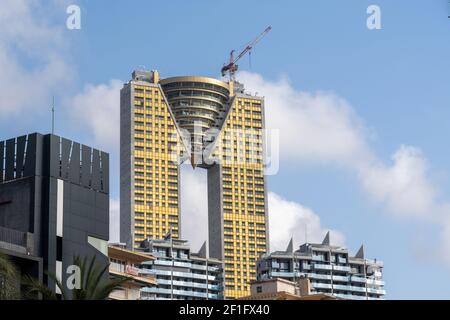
point(281, 289)
point(180, 273)
point(54, 204)
point(217, 127)
point(125, 264)
point(330, 269)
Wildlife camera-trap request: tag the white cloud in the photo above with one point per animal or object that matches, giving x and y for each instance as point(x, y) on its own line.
point(290, 219)
point(32, 59)
point(286, 218)
point(404, 186)
point(97, 108)
point(322, 128)
point(194, 205)
point(314, 127)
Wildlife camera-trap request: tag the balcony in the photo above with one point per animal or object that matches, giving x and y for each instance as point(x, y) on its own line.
point(275, 274)
point(189, 284)
point(322, 266)
point(187, 275)
point(125, 294)
point(132, 273)
point(189, 115)
point(342, 260)
point(321, 285)
point(189, 293)
point(22, 242)
point(352, 297)
point(342, 268)
point(376, 291)
point(327, 277)
point(368, 281)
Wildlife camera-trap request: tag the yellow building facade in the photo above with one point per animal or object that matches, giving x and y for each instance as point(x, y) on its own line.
point(216, 126)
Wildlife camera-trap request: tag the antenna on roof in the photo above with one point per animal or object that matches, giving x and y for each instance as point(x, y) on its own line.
point(306, 233)
point(53, 115)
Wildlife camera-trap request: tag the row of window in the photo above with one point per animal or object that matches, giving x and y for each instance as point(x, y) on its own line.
point(157, 215)
point(244, 230)
point(259, 205)
point(246, 119)
point(141, 89)
point(229, 223)
point(156, 133)
point(149, 149)
point(141, 117)
point(157, 189)
point(171, 169)
point(174, 196)
point(244, 239)
point(166, 184)
point(253, 134)
point(153, 124)
point(155, 204)
point(235, 267)
point(248, 176)
point(201, 85)
point(170, 174)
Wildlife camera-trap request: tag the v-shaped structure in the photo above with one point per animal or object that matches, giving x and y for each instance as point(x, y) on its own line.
point(217, 127)
point(199, 106)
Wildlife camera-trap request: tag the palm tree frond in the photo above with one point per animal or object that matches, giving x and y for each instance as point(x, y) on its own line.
point(7, 267)
point(105, 290)
point(97, 279)
point(34, 287)
point(58, 283)
point(9, 278)
point(93, 284)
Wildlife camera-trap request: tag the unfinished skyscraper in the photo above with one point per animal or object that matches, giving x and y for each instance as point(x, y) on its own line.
point(216, 126)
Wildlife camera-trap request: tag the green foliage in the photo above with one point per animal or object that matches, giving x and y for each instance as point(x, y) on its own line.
point(36, 288)
point(9, 279)
point(93, 286)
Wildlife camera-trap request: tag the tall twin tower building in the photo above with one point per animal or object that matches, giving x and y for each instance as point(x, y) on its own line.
point(215, 126)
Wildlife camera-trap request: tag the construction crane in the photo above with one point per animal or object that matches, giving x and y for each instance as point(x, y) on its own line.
point(232, 67)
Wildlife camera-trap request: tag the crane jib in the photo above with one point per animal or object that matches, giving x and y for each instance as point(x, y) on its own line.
point(232, 67)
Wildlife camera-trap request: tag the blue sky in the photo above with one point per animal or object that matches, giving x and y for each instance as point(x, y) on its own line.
point(394, 79)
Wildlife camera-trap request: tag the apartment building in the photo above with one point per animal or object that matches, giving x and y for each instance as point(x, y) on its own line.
point(330, 269)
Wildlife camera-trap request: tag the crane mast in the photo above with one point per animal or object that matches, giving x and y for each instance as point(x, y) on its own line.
point(232, 67)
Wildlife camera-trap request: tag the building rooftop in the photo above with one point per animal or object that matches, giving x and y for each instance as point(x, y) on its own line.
point(305, 251)
point(134, 257)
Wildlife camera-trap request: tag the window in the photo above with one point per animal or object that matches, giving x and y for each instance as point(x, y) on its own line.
point(258, 289)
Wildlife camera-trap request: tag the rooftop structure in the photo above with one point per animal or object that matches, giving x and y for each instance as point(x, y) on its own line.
point(331, 270)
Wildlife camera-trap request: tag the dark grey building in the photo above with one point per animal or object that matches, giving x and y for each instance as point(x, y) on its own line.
point(54, 203)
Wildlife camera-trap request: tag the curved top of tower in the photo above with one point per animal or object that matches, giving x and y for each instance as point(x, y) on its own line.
point(200, 79)
point(198, 105)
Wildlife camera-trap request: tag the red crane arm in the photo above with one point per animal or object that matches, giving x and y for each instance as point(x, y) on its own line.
point(251, 45)
point(231, 67)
